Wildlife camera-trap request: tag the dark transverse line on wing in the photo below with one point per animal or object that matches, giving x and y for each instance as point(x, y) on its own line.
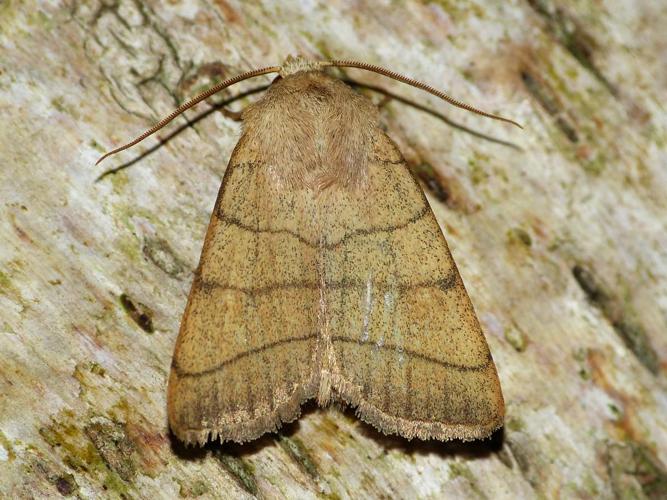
point(327, 246)
point(443, 284)
point(336, 338)
point(258, 164)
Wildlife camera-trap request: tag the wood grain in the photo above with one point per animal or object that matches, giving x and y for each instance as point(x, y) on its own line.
point(557, 231)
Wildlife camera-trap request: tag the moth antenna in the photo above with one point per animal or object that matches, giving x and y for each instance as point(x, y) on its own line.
point(192, 102)
point(418, 84)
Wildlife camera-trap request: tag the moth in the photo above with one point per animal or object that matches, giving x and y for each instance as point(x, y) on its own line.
point(324, 274)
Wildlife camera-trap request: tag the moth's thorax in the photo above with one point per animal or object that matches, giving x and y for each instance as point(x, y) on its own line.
point(312, 131)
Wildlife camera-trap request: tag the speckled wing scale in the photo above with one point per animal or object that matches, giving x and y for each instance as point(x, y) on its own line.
point(408, 350)
point(244, 358)
point(324, 274)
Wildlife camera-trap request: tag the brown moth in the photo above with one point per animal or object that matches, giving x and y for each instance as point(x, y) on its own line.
point(324, 274)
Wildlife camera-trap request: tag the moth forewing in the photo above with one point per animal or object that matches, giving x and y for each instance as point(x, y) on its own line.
point(324, 274)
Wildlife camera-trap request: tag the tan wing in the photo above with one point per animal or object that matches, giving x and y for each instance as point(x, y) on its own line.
point(245, 353)
point(405, 345)
point(356, 293)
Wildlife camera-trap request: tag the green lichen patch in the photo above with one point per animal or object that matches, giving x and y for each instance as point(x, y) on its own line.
point(635, 472)
point(62, 431)
point(39, 473)
point(461, 469)
point(547, 98)
point(160, 253)
point(139, 313)
point(10, 276)
point(58, 103)
point(569, 32)
point(100, 449)
point(129, 247)
point(114, 483)
point(298, 452)
point(581, 356)
point(127, 242)
point(241, 470)
point(88, 374)
point(97, 146)
point(81, 371)
point(77, 451)
point(615, 411)
point(119, 180)
point(193, 489)
point(515, 424)
point(621, 317)
point(7, 446)
point(597, 165)
point(636, 339)
point(516, 339)
point(62, 106)
point(96, 368)
point(518, 235)
point(114, 446)
point(459, 10)
point(590, 486)
point(5, 281)
point(477, 173)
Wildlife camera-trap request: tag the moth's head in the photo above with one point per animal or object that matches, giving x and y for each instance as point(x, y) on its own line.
point(291, 66)
point(295, 64)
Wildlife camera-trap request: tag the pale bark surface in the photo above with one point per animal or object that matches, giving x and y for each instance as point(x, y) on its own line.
point(558, 231)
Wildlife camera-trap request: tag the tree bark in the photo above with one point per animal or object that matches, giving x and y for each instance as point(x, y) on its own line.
point(558, 231)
